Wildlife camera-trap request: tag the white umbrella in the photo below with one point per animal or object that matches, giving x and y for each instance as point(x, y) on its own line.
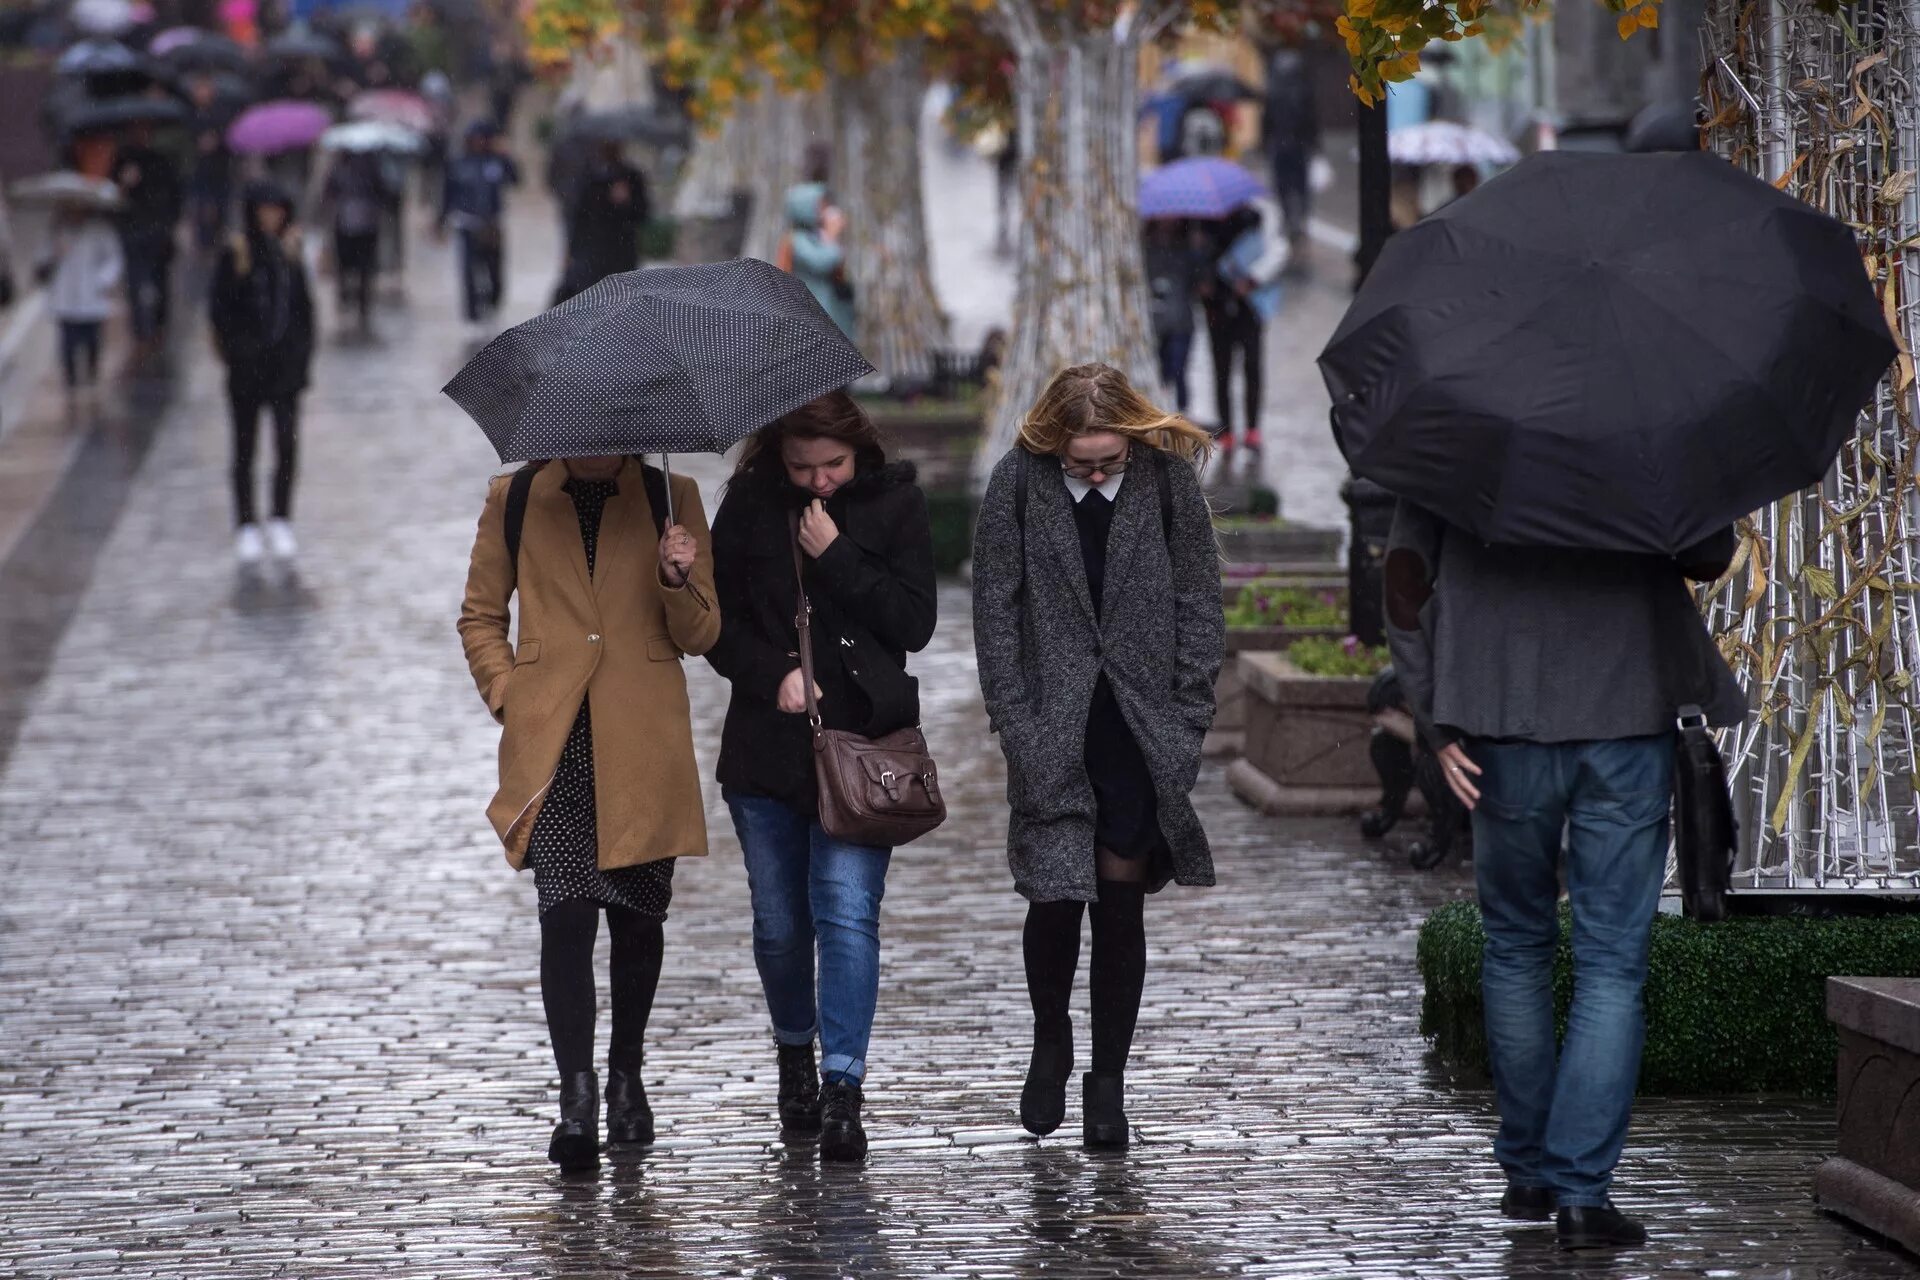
point(102, 17)
point(1444, 142)
point(68, 189)
point(372, 135)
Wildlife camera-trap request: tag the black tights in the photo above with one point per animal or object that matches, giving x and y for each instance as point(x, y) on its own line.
point(285, 411)
point(567, 933)
point(1119, 971)
point(1237, 332)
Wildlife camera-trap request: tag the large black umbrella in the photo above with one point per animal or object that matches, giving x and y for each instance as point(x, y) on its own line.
point(667, 360)
point(210, 52)
point(627, 124)
point(101, 115)
point(1615, 352)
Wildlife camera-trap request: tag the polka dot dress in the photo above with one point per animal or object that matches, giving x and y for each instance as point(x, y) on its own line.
point(564, 849)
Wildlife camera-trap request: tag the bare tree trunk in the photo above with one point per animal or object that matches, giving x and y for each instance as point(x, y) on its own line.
point(877, 183)
point(719, 167)
point(782, 125)
point(1081, 291)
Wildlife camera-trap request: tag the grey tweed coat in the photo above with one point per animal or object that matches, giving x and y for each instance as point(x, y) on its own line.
point(1159, 639)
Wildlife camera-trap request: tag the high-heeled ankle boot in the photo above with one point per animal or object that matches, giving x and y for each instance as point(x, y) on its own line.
point(799, 1089)
point(629, 1118)
point(1043, 1100)
point(1103, 1111)
point(576, 1139)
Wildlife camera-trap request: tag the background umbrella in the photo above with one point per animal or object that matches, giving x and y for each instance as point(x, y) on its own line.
point(1197, 187)
point(372, 135)
point(394, 106)
point(627, 124)
point(98, 116)
point(1444, 142)
point(96, 55)
point(1616, 352)
point(668, 360)
point(1664, 126)
point(1207, 82)
point(274, 127)
point(206, 52)
point(231, 94)
point(301, 46)
point(68, 190)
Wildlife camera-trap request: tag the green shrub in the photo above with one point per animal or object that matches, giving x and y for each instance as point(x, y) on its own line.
point(951, 515)
point(1268, 604)
point(658, 237)
point(1325, 656)
point(1734, 1007)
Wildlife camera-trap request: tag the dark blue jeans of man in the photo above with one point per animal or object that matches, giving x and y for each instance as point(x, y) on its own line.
point(1563, 1120)
point(813, 892)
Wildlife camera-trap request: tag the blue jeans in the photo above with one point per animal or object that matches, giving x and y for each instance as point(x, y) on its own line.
point(812, 891)
point(1563, 1123)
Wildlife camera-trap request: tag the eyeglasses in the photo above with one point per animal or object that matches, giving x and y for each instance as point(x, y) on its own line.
point(1081, 470)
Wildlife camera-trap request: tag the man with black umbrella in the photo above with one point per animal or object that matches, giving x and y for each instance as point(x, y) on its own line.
point(150, 187)
point(603, 235)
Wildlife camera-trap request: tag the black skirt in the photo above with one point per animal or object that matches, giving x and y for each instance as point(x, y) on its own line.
point(1127, 809)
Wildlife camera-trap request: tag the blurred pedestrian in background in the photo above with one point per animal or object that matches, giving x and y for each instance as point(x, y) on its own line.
point(210, 173)
point(353, 199)
point(818, 477)
point(473, 201)
point(1099, 632)
point(812, 250)
point(262, 313)
point(1290, 135)
point(603, 234)
point(150, 213)
point(599, 788)
point(1174, 265)
point(83, 267)
point(1240, 293)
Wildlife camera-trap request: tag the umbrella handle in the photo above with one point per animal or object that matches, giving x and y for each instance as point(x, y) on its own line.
point(666, 468)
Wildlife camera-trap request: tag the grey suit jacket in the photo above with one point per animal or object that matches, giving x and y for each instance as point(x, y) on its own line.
point(1160, 640)
point(1548, 646)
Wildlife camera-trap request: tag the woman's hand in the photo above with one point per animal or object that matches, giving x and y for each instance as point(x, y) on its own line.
point(817, 529)
point(677, 553)
point(793, 693)
point(1460, 773)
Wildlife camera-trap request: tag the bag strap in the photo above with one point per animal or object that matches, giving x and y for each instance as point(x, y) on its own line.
point(517, 490)
point(656, 481)
point(803, 621)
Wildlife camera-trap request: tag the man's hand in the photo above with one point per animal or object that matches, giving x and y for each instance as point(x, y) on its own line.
point(793, 693)
point(677, 554)
point(817, 529)
point(1460, 773)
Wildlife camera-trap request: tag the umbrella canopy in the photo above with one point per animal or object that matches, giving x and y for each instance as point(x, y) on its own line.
point(1664, 126)
point(1197, 187)
point(274, 127)
point(1612, 352)
point(372, 135)
point(229, 94)
point(299, 46)
point(204, 52)
point(68, 190)
point(667, 360)
point(1444, 142)
point(395, 107)
point(627, 124)
point(95, 56)
point(103, 114)
point(1199, 81)
point(103, 17)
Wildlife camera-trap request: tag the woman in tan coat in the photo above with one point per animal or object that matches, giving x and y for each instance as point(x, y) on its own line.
point(599, 790)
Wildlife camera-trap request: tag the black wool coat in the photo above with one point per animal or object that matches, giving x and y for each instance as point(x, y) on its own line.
point(873, 595)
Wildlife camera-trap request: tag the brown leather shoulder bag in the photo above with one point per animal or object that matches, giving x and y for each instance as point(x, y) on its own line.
point(883, 792)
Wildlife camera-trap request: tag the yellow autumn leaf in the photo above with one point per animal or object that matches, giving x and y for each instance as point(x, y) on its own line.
point(1627, 25)
point(1648, 16)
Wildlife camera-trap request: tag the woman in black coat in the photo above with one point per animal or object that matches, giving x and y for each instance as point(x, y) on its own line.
point(867, 551)
point(262, 314)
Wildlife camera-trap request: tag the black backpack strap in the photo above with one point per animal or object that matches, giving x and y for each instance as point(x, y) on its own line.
point(656, 482)
point(517, 490)
point(1165, 477)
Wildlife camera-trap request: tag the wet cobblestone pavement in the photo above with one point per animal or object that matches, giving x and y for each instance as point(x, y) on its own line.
point(270, 1002)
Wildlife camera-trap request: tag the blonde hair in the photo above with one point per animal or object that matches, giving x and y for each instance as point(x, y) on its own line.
point(1085, 398)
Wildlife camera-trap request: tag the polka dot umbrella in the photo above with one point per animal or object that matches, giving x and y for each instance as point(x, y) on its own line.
point(666, 360)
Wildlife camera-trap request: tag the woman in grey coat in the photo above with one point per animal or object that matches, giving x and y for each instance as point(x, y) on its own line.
point(1097, 621)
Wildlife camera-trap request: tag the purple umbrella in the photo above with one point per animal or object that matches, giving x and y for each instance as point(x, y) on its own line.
point(273, 127)
point(1197, 187)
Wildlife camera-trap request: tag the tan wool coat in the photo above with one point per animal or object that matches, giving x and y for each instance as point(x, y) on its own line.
point(617, 640)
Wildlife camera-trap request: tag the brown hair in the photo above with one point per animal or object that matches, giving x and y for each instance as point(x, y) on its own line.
point(1085, 398)
point(833, 416)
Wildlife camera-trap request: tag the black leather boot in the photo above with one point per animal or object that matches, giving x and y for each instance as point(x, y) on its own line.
point(799, 1089)
point(1043, 1101)
point(841, 1135)
point(1528, 1204)
point(576, 1139)
point(1598, 1227)
point(1103, 1113)
point(629, 1118)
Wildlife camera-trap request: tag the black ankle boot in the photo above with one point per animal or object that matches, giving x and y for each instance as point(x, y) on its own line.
point(841, 1136)
point(576, 1139)
point(629, 1118)
point(799, 1089)
point(1598, 1227)
point(1043, 1102)
point(1103, 1114)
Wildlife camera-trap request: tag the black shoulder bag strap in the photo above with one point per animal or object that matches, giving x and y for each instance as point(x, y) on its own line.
point(656, 482)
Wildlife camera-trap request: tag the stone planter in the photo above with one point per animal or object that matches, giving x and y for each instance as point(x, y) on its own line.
point(1278, 543)
point(1307, 739)
point(1875, 1180)
point(1228, 736)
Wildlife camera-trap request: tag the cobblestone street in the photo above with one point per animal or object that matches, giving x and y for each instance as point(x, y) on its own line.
point(270, 997)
